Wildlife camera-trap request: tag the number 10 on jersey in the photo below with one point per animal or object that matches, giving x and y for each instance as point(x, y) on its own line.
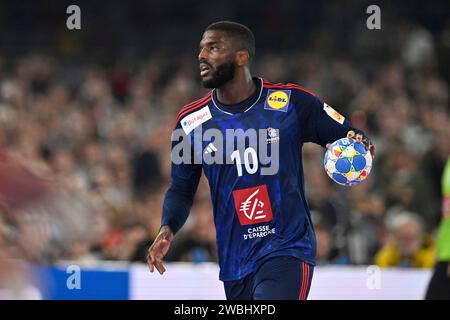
point(250, 161)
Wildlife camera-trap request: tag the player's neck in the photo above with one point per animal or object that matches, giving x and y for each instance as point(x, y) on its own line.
point(237, 90)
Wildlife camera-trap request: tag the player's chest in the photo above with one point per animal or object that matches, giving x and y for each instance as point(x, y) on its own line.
point(256, 124)
point(255, 134)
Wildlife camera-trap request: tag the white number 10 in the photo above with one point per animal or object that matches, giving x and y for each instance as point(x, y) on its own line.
point(251, 165)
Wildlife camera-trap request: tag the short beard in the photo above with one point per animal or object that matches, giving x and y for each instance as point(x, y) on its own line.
point(223, 74)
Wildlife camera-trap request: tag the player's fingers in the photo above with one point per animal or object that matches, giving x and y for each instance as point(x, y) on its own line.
point(351, 134)
point(328, 145)
point(150, 262)
point(152, 255)
point(372, 151)
point(151, 266)
point(359, 137)
point(369, 146)
point(159, 266)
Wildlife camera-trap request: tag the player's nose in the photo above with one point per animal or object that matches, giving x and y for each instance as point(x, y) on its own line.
point(202, 55)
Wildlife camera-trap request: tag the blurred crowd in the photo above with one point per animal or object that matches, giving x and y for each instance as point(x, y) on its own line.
point(95, 140)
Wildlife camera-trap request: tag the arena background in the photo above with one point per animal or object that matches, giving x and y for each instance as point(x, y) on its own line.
point(85, 122)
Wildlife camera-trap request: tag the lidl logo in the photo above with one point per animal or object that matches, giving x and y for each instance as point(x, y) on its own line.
point(277, 100)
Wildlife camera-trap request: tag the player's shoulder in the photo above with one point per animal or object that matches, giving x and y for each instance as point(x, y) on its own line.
point(293, 88)
point(192, 107)
point(296, 95)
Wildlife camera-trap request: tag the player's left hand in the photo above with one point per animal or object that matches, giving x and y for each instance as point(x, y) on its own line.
point(359, 137)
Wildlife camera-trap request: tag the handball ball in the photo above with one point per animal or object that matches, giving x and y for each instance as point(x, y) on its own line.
point(347, 162)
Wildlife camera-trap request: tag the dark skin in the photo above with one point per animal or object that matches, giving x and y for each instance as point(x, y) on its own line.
point(216, 49)
point(159, 249)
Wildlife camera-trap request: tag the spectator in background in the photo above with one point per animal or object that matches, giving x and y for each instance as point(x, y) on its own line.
point(406, 186)
point(133, 233)
point(408, 246)
point(197, 243)
point(366, 228)
point(318, 194)
point(327, 252)
point(147, 176)
point(324, 244)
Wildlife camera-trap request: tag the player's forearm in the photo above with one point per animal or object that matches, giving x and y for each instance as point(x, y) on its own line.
point(177, 205)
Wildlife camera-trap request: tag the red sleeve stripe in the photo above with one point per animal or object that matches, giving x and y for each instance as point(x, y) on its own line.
point(191, 107)
point(196, 101)
point(287, 86)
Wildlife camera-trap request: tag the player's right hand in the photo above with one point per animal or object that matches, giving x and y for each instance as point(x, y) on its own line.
point(159, 249)
point(358, 137)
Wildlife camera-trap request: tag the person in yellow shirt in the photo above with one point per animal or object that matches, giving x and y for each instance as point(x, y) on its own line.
point(408, 247)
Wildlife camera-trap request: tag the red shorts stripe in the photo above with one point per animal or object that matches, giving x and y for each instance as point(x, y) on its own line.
point(305, 281)
point(300, 297)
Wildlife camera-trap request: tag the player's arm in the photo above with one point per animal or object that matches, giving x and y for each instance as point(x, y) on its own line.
point(176, 207)
point(323, 125)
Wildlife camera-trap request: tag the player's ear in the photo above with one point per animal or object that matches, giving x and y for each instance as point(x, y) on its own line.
point(242, 57)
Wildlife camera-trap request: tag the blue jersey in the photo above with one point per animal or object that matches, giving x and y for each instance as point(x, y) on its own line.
point(257, 189)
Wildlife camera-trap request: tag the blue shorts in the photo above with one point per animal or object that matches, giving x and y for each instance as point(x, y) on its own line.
point(277, 278)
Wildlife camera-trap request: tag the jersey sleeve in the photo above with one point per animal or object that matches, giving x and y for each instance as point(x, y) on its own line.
point(320, 123)
point(185, 177)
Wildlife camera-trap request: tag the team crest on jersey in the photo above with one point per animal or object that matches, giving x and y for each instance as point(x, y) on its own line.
point(273, 135)
point(336, 116)
point(277, 100)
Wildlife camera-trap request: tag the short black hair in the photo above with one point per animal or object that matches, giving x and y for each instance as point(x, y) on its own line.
point(241, 35)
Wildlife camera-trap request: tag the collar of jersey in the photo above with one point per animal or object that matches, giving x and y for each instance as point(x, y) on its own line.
point(242, 106)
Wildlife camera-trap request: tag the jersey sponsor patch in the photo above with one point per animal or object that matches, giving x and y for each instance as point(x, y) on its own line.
point(277, 100)
point(193, 120)
point(252, 205)
point(336, 116)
